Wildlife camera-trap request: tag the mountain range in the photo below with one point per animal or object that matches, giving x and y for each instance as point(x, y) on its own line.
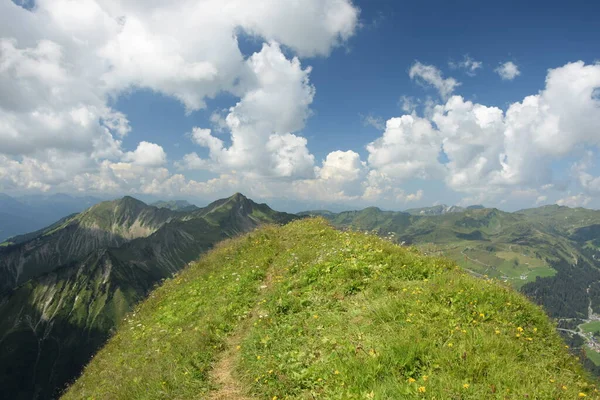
point(304, 311)
point(66, 287)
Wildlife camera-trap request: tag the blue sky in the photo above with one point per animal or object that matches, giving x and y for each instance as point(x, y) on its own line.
point(364, 65)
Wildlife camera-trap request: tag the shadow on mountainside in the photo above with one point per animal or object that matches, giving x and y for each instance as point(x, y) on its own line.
point(38, 358)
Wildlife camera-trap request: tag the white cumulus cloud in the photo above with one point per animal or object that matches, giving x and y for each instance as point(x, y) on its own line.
point(62, 64)
point(508, 71)
point(147, 155)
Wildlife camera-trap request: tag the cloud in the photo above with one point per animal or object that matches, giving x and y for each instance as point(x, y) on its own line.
point(407, 149)
point(261, 125)
point(59, 130)
point(578, 200)
point(376, 122)
point(411, 197)
point(541, 200)
point(508, 71)
point(488, 150)
point(468, 64)
point(147, 155)
point(407, 104)
point(191, 161)
point(63, 63)
point(430, 75)
point(344, 166)
point(579, 171)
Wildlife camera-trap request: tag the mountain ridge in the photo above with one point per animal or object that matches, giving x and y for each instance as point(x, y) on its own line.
point(304, 310)
point(88, 291)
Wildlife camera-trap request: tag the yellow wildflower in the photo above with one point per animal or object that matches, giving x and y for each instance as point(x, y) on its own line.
point(466, 386)
point(520, 329)
point(581, 394)
point(450, 345)
point(425, 377)
point(564, 387)
point(411, 380)
point(497, 331)
point(422, 389)
point(482, 315)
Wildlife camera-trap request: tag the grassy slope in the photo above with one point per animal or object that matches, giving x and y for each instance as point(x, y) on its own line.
point(340, 315)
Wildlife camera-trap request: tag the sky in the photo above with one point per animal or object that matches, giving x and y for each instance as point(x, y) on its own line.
point(303, 104)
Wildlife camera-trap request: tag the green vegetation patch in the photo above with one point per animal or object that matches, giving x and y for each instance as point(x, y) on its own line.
point(594, 356)
point(593, 327)
point(320, 313)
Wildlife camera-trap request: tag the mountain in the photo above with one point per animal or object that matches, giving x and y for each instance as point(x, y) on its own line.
point(550, 253)
point(29, 213)
point(78, 279)
point(175, 205)
point(304, 311)
point(435, 210)
point(107, 224)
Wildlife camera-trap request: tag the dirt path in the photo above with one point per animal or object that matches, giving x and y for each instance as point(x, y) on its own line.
point(229, 387)
point(222, 374)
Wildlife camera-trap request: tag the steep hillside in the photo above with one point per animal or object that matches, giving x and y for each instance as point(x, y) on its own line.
point(305, 311)
point(551, 253)
point(51, 325)
point(107, 224)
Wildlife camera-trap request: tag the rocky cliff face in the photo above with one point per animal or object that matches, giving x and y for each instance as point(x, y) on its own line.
point(107, 224)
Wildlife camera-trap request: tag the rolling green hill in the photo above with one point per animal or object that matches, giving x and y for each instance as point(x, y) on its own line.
point(304, 311)
point(88, 271)
point(550, 253)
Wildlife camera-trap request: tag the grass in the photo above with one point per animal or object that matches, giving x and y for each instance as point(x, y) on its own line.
point(593, 326)
point(345, 316)
point(495, 264)
point(594, 356)
point(5, 244)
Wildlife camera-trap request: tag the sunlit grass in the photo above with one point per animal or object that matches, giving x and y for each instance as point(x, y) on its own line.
point(345, 316)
